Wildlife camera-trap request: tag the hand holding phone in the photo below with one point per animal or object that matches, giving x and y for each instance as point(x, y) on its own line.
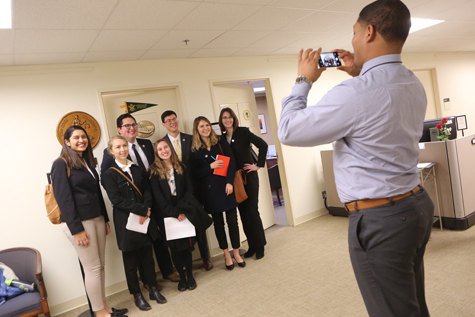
point(329, 59)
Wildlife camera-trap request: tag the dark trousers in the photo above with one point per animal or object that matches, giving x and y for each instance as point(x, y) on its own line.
point(249, 212)
point(163, 259)
point(202, 244)
point(130, 259)
point(387, 245)
point(233, 228)
point(183, 259)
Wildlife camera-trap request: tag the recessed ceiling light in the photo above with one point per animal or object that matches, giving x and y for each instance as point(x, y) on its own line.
point(5, 14)
point(419, 24)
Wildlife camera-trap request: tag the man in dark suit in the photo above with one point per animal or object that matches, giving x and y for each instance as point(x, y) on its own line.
point(141, 153)
point(181, 143)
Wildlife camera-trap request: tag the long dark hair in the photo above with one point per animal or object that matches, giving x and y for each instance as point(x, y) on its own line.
point(235, 119)
point(72, 158)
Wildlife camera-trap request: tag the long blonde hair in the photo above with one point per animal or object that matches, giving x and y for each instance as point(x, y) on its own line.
point(197, 141)
point(158, 167)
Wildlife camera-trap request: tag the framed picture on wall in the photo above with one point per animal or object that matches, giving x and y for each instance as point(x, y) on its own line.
point(262, 123)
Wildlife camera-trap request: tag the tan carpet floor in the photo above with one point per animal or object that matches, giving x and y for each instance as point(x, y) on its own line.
point(307, 272)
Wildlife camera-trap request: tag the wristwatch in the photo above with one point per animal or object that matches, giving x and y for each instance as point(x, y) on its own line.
point(303, 79)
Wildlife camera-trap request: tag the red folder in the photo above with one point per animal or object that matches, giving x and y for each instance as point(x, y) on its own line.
point(223, 170)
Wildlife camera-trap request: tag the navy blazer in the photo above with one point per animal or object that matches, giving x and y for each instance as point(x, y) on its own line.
point(108, 159)
point(241, 144)
point(79, 197)
point(212, 187)
point(125, 200)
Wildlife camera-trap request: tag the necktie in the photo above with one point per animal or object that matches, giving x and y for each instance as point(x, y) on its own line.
point(178, 149)
point(139, 159)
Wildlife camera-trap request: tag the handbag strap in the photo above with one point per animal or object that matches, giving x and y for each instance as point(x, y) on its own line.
point(222, 152)
point(128, 179)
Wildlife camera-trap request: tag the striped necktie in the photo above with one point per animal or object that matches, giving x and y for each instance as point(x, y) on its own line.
point(177, 148)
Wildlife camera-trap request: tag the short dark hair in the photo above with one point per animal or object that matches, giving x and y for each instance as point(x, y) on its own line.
point(166, 114)
point(233, 115)
point(122, 117)
point(390, 18)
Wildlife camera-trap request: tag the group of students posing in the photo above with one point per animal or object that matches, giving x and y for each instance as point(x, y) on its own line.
point(173, 178)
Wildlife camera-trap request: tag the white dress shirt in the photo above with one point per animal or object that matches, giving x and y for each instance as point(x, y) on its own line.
point(141, 153)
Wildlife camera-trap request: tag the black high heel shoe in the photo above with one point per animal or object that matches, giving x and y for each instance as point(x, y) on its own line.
point(241, 264)
point(229, 267)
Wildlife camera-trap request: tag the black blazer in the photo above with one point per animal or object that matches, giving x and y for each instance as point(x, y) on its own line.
point(212, 187)
point(241, 145)
point(185, 141)
point(186, 204)
point(79, 197)
point(125, 200)
point(108, 159)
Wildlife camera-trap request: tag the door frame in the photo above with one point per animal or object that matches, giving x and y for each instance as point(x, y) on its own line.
point(273, 118)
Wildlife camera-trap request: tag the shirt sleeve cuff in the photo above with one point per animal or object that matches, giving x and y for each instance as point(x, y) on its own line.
point(301, 89)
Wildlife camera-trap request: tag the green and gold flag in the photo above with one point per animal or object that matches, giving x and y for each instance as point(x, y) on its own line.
point(131, 107)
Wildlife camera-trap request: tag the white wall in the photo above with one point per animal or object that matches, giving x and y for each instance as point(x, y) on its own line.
point(34, 98)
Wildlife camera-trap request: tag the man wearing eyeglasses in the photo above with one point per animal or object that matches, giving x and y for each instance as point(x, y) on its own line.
point(181, 143)
point(141, 153)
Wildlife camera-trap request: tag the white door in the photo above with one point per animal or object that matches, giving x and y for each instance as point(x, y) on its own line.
point(425, 76)
point(241, 99)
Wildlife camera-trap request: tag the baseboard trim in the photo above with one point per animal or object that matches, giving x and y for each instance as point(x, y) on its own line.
point(310, 216)
point(82, 300)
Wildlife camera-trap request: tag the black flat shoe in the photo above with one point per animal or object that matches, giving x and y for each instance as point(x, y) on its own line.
point(182, 285)
point(140, 302)
point(191, 285)
point(260, 253)
point(250, 252)
point(155, 295)
point(120, 311)
point(242, 264)
point(229, 267)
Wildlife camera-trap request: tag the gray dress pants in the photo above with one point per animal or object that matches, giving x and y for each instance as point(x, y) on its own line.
point(387, 245)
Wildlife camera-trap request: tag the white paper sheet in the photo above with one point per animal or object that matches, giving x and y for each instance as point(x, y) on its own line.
point(175, 229)
point(134, 225)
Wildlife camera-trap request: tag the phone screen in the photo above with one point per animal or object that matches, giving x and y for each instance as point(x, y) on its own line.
point(329, 59)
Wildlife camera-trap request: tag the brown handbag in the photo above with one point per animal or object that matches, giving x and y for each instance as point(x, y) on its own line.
point(52, 209)
point(239, 181)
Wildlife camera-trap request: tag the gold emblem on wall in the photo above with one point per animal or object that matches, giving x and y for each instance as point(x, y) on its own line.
point(246, 114)
point(82, 119)
point(146, 129)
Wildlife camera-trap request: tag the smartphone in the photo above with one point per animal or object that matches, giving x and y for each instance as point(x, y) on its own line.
point(329, 59)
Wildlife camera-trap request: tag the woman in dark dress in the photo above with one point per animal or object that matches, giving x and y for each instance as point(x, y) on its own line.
point(83, 213)
point(173, 194)
point(215, 191)
point(240, 139)
point(131, 197)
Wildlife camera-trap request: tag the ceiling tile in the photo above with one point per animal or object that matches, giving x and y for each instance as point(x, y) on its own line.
point(270, 18)
point(6, 60)
point(255, 51)
point(237, 39)
point(159, 54)
point(216, 16)
point(112, 56)
point(174, 39)
point(429, 9)
point(214, 52)
point(7, 40)
point(286, 51)
point(279, 39)
point(61, 15)
point(353, 6)
point(301, 4)
point(320, 20)
point(251, 2)
point(53, 41)
point(56, 58)
point(449, 29)
point(461, 13)
point(316, 40)
point(149, 14)
point(126, 40)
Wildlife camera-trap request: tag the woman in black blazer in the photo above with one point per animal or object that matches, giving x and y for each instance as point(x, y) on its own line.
point(129, 192)
point(240, 139)
point(83, 213)
point(216, 192)
point(173, 194)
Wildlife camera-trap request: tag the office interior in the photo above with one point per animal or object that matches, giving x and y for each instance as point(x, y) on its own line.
point(34, 97)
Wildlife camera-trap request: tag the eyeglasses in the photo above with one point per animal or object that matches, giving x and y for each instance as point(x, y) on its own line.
point(128, 125)
point(171, 120)
point(226, 117)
